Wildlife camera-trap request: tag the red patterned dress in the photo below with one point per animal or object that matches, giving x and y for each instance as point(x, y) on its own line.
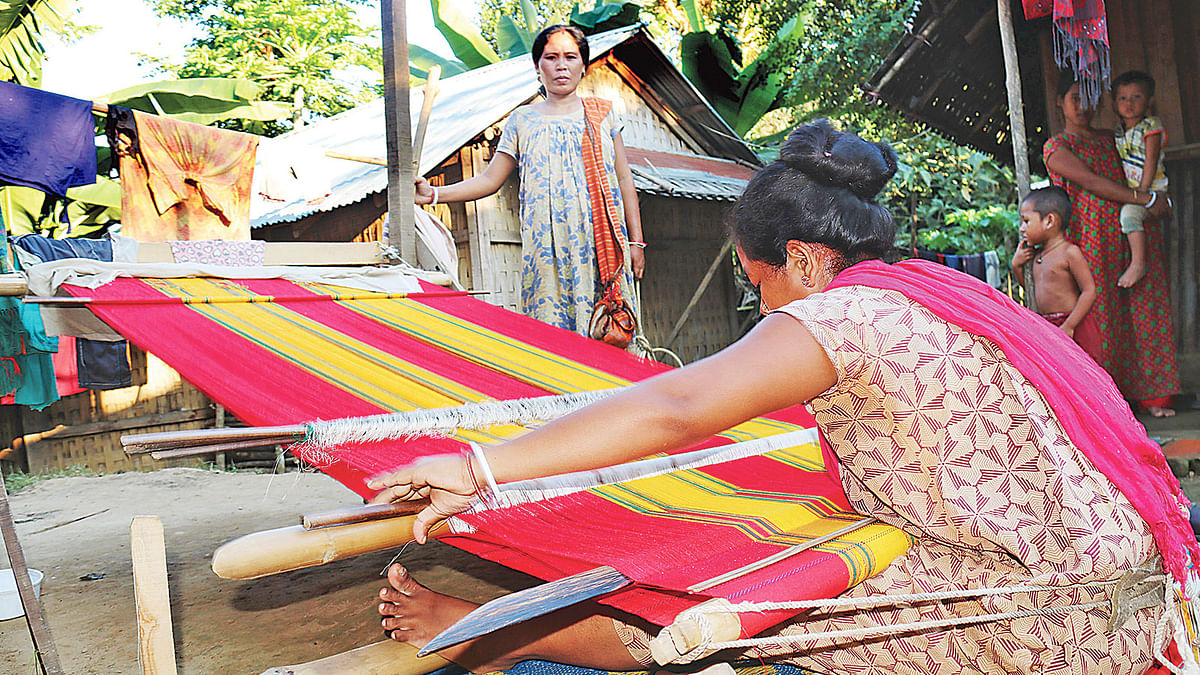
point(1135, 323)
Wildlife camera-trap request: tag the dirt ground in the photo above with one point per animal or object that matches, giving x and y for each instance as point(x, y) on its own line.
point(220, 626)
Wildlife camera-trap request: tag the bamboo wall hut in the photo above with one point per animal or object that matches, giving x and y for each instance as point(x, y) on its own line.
point(688, 166)
point(948, 72)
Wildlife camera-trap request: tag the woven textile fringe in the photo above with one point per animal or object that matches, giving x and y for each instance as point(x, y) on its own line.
point(1086, 57)
point(444, 421)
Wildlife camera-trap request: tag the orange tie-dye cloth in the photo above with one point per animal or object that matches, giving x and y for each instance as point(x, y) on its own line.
point(185, 181)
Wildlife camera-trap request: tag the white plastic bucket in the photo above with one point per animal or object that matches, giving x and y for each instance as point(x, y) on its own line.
point(10, 600)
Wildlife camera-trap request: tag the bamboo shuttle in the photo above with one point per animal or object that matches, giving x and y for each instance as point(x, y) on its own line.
point(361, 514)
point(382, 658)
point(291, 548)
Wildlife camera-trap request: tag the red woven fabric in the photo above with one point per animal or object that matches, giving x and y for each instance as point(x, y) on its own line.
point(606, 221)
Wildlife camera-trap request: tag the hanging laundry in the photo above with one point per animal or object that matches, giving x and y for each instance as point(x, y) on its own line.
point(47, 141)
point(101, 364)
point(181, 181)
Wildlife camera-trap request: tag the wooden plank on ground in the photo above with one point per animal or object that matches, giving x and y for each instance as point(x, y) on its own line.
point(156, 643)
point(382, 658)
point(43, 642)
point(288, 253)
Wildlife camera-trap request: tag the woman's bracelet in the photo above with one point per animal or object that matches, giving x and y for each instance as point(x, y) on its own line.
point(435, 195)
point(1153, 198)
point(639, 244)
point(1135, 196)
point(486, 469)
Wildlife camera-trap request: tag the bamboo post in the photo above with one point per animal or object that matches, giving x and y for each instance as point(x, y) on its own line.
point(39, 632)
point(708, 277)
point(402, 232)
point(1016, 115)
point(156, 643)
point(291, 548)
point(382, 658)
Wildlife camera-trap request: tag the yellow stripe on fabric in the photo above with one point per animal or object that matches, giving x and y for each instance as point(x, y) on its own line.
point(351, 365)
point(524, 362)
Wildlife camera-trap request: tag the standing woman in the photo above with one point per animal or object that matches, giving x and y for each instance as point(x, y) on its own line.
point(560, 280)
point(1135, 323)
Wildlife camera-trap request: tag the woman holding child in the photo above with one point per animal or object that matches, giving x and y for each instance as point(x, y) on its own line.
point(918, 377)
point(1134, 322)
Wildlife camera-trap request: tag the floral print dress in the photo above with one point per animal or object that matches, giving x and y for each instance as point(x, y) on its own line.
point(559, 276)
point(1135, 323)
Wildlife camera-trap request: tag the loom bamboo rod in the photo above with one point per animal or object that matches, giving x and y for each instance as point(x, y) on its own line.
point(207, 449)
point(136, 444)
point(382, 658)
point(291, 548)
point(356, 158)
point(778, 557)
point(242, 299)
point(361, 514)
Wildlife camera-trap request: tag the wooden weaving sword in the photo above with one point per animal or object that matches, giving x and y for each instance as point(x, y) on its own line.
point(527, 604)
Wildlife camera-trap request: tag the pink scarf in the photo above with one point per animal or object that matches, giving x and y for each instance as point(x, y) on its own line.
point(1082, 395)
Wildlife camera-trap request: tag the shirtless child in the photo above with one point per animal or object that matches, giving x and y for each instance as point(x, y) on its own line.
point(1064, 287)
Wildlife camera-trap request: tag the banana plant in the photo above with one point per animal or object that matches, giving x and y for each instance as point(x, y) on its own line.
point(741, 95)
point(513, 37)
point(22, 25)
point(201, 100)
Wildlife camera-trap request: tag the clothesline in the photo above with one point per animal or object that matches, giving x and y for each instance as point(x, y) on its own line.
point(102, 109)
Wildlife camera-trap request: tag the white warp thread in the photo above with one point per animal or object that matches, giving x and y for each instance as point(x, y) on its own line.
point(444, 421)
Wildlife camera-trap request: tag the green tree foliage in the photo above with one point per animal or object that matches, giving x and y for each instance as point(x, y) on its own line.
point(286, 46)
point(545, 13)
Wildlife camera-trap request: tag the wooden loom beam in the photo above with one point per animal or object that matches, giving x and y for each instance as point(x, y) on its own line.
point(291, 548)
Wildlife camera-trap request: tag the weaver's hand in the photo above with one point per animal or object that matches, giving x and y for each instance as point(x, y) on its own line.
point(445, 481)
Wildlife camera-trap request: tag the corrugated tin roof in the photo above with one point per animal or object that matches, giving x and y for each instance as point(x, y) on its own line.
point(688, 183)
point(466, 105)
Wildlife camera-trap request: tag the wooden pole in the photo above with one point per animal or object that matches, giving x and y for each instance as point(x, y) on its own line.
point(402, 232)
point(1016, 107)
point(156, 643)
point(1016, 115)
point(43, 641)
point(708, 277)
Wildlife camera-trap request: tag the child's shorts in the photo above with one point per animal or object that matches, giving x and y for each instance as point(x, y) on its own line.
point(1132, 216)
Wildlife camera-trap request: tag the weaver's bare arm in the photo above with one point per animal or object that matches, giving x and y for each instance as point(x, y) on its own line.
point(779, 364)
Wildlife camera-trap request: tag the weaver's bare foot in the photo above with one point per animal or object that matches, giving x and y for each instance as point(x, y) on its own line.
point(1156, 411)
point(415, 615)
point(1132, 275)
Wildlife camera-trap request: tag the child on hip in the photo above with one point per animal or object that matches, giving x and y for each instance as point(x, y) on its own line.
point(1140, 138)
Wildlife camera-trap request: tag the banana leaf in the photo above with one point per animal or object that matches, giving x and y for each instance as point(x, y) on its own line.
point(22, 25)
point(605, 17)
point(454, 20)
point(511, 38)
point(420, 60)
point(708, 64)
point(201, 100)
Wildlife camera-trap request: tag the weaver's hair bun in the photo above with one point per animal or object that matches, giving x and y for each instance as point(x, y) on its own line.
point(839, 159)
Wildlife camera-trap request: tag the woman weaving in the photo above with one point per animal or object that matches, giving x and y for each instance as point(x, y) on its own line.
point(953, 414)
